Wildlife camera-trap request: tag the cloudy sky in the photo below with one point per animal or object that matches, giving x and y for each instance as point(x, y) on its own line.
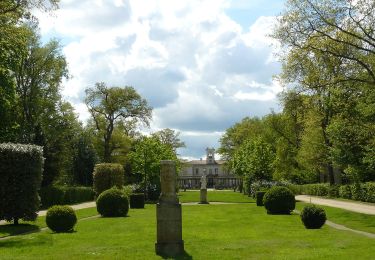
point(203, 65)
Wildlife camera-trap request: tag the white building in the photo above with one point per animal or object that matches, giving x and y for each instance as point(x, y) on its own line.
point(217, 174)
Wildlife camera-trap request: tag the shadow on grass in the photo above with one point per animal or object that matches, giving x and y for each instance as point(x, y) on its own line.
point(183, 256)
point(12, 230)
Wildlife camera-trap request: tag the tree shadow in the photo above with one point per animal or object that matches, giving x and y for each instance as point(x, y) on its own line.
point(12, 230)
point(183, 256)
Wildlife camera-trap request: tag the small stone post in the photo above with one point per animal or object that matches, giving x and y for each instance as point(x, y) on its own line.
point(203, 193)
point(168, 214)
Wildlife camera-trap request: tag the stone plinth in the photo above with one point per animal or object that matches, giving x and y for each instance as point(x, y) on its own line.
point(168, 214)
point(203, 198)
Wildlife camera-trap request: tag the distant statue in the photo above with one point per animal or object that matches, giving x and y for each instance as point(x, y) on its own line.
point(203, 182)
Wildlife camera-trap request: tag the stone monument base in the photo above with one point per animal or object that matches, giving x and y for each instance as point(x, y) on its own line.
point(169, 229)
point(203, 199)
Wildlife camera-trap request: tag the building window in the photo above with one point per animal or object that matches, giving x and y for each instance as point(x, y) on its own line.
point(216, 171)
point(210, 171)
point(196, 171)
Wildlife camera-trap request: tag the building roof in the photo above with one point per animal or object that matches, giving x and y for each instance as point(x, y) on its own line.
point(204, 162)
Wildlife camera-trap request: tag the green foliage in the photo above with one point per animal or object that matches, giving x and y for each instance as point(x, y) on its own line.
point(254, 160)
point(333, 191)
point(112, 203)
point(313, 217)
point(259, 197)
point(137, 201)
point(169, 137)
point(279, 200)
point(145, 162)
point(21, 168)
point(109, 105)
point(107, 175)
point(60, 195)
point(345, 192)
point(61, 218)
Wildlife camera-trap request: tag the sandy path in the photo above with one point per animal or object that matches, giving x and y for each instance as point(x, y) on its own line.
point(352, 206)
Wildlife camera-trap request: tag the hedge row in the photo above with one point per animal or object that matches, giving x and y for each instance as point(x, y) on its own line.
point(58, 195)
point(358, 191)
point(21, 168)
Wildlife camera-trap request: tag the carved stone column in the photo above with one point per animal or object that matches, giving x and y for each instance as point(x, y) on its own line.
point(168, 214)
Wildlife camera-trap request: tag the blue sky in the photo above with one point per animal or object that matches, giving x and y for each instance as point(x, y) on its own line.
point(202, 65)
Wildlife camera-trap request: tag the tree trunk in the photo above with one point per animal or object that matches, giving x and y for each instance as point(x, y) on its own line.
point(15, 221)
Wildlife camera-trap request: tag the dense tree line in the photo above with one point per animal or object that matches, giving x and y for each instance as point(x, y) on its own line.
point(32, 110)
point(327, 125)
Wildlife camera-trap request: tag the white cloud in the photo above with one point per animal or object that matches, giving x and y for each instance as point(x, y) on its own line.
point(197, 67)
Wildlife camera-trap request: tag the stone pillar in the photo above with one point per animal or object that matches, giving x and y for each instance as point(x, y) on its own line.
point(203, 198)
point(168, 214)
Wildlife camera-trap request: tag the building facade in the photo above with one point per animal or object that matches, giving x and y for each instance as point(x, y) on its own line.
point(217, 175)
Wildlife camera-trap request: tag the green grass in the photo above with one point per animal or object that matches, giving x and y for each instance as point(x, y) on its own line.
point(29, 226)
point(215, 196)
point(233, 231)
point(353, 220)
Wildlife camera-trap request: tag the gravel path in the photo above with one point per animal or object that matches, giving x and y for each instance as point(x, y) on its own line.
point(351, 206)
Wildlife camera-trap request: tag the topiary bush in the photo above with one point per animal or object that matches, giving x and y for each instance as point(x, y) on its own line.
point(61, 195)
point(21, 168)
point(137, 201)
point(259, 197)
point(345, 192)
point(61, 218)
point(112, 203)
point(313, 217)
point(107, 175)
point(279, 200)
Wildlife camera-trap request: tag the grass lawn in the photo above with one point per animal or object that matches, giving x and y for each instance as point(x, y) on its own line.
point(354, 220)
point(215, 196)
point(26, 226)
point(233, 231)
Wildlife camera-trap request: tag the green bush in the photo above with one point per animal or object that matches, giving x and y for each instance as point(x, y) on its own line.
point(333, 191)
point(59, 195)
point(259, 197)
point(279, 200)
point(137, 201)
point(53, 195)
point(21, 168)
point(107, 175)
point(345, 192)
point(112, 203)
point(61, 218)
point(78, 194)
point(357, 191)
point(369, 192)
point(313, 217)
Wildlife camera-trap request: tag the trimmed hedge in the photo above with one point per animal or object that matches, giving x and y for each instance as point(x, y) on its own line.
point(137, 201)
point(259, 197)
point(358, 191)
point(107, 175)
point(61, 218)
point(313, 217)
point(112, 203)
point(59, 195)
point(21, 168)
point(279, 200)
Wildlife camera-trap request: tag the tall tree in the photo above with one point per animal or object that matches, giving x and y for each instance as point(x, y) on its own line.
point(109, 105)
point(169, 137)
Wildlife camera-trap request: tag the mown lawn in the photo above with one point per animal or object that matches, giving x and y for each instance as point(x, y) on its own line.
point(215, 196)
point(233, 231)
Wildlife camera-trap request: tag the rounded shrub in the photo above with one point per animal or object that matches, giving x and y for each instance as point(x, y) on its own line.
point(61, 218)
point(112, 203)
point(259, 196)
point(107, 175)
point(137, 201)
point(279, 200)
point(313, 217)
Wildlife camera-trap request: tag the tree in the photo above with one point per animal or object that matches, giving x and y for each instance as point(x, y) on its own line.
point(145, 161)
point(331, 57)
point(109, 105)
point(169, 137)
